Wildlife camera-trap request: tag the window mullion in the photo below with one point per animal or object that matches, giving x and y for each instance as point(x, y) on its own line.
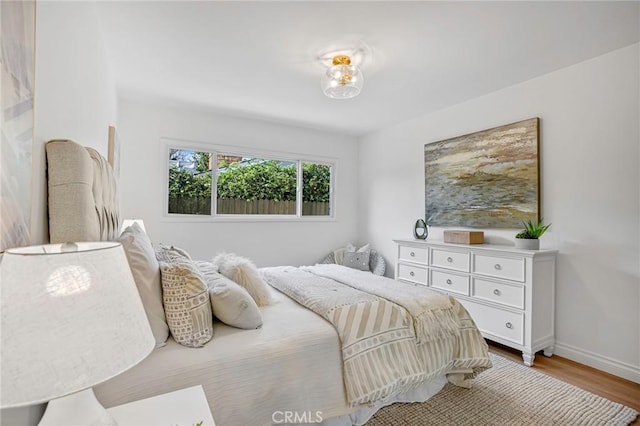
point(214, 183)
point(299, 189)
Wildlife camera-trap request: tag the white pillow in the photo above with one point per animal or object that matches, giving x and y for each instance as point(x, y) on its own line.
point(146, 274)
point(351, 248)
point(230, 303)
point(244, 272)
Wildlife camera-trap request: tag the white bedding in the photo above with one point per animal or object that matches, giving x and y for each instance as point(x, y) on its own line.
point(292, 363)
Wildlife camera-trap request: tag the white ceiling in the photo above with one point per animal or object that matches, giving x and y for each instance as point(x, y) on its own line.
point(259, 59)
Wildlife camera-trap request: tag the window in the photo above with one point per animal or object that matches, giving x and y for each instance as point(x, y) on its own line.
point(189, 182)
point(228, 184)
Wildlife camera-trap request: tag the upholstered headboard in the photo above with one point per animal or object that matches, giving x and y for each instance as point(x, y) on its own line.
point(83, 199)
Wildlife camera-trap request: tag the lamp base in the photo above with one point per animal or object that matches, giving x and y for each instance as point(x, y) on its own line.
point(80, 408)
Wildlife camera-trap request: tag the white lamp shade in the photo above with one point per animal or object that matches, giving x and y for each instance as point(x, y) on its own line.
point(70, 320)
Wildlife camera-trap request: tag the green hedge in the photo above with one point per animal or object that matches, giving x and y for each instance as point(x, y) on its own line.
point(266, 180)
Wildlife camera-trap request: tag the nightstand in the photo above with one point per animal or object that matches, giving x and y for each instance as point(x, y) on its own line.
point(186, 407)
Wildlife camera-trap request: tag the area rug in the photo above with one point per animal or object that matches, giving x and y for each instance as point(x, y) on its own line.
point(508, 394)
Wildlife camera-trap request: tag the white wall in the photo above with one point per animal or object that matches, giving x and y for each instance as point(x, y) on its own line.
point(75, 94)
point(142, 125)
point(75, 98)
point(590, 142)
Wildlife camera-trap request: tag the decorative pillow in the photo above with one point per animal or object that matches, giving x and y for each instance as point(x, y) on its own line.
point(230, 303)
point(377, 265)
point(357, 260)
point(186, 303)
point(351, 248)
point(244, 272)
point(146, 274)
point(166, 253)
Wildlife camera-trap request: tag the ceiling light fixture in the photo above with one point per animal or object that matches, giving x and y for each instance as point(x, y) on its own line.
point(342, 80)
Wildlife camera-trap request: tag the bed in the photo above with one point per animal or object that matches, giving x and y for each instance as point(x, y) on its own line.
point(294, 363)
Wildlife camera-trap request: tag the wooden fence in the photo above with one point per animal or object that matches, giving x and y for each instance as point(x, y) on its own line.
point(190, 205)
point(233, 206)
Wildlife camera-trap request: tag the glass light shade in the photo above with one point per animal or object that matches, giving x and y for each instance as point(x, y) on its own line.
point(71, 318)
point(342, 81)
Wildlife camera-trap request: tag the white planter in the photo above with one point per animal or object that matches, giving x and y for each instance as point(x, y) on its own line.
point(528, 244)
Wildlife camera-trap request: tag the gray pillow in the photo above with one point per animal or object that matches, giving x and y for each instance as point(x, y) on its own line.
point(231, 304)
point(357, 260)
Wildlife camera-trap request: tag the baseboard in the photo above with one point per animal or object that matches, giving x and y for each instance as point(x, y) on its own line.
point(610, 365)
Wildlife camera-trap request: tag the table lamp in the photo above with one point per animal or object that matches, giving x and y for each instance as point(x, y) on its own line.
point(71, 318)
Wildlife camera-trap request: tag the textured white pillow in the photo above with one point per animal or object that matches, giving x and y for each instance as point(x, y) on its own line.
point(166, 253)
point(146, 274)
point(244, 272)
point(230, 303)
point(186, 303)
point(351, 248)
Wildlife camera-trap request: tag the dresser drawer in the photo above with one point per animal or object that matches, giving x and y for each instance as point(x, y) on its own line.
point(450, 282)
point(413, 254)
point(497, 322)
point(450, 260)
point(504, 294)
point(412, 273)
point(500, 267)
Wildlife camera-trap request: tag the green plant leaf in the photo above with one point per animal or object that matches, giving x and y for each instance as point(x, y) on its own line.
point(533, 230)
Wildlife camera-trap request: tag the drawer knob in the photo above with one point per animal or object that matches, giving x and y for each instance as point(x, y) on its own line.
point(496, 292)
point(412, 273)
point(449, 259)
point(412, 254)
point(449, 281)
point(497, 266)
point(509, 325)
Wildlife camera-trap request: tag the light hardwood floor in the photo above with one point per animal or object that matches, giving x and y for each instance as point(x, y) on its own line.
point(595, 381)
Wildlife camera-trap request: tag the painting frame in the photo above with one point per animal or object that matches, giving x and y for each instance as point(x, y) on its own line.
point(17, 78)
point(113, 151)
point(484, 179)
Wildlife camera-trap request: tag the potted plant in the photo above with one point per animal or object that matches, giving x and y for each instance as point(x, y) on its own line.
point(529, 237)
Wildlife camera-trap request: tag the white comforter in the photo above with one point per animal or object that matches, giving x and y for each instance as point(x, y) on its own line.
point(292, 363)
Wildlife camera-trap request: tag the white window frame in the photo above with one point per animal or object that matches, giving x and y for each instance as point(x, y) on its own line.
point(168, 144)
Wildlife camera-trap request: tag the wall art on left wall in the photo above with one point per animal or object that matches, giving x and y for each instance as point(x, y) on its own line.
point(114, 151)
point(17, 70)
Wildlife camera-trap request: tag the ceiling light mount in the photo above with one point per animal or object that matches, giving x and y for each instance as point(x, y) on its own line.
point(342, 80)
point(341, 60)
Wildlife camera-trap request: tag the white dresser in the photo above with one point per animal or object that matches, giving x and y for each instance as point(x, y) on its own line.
point(509, 292)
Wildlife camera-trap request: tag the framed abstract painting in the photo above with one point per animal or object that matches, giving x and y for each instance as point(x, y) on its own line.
point(487, 179)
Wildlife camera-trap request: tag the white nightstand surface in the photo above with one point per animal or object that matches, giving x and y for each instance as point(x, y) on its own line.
point(185, 407)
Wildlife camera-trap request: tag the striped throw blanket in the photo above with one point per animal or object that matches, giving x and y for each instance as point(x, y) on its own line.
point(394, 335)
